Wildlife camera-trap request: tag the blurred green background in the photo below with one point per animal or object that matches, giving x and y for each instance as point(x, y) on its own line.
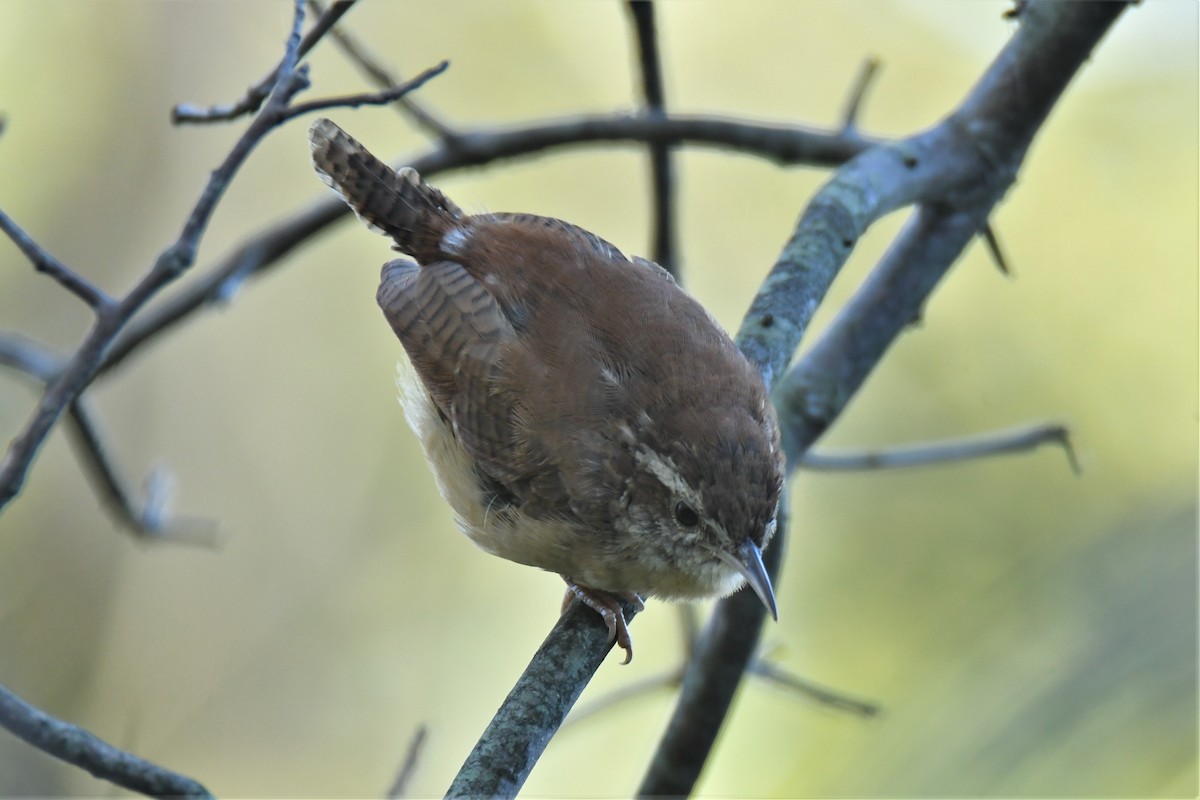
point(1028, 633)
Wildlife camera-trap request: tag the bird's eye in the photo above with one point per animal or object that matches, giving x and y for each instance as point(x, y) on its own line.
point(686, 516)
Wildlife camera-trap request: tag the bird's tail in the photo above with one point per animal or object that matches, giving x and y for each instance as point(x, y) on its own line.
point(396, 204)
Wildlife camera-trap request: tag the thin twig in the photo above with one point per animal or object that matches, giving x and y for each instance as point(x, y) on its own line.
point(866, 76)
point(28, 357)
point(253, 99)
point(765, 669)
point(412, 757)
point(670, 679)
point(368, 98)
point(1015, 440)
point(382, 77)
point(994, 250)
point(149, 520)
point(662, 172)
point(47, 264)
point(323, 24)
point(84, 749)
point(84, 431)
point(761, 667)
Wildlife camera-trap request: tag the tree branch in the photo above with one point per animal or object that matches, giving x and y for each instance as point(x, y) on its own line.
point(151, 520)
point(662, 173)
point(382, 98)
point(1015, 440)
point(85, 750)
point(412, 757)
point(536, 706)
point(47, 264)
point(866, 76)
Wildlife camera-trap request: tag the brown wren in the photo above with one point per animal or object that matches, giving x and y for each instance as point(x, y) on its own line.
point(580, 412)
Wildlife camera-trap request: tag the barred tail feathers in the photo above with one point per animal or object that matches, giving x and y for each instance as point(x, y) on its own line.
point(396, 204)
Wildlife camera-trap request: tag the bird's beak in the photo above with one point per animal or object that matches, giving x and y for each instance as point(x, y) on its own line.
point(748, 561)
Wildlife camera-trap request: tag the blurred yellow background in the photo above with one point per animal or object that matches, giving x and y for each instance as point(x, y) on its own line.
point(1027, 632)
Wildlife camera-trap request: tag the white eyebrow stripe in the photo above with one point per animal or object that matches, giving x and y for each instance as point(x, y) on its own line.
point(664, 469)
point(669, 476)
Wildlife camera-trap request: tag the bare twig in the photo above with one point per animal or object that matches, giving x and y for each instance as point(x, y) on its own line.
point(409, 768)
point(323, 24)
point(87, 751)
point(368, 99)
point(253, 99)
point(1015, 440)
point(28, 357)
point(669, 679)
point(993, 247)
point(767, 670)
point(662, 172)
point(761, 667)
point(866, 76)
point(150, 521)
point(383, 78)
point(45, 263)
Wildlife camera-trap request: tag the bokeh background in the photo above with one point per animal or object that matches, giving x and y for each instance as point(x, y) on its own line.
point(1027, 632)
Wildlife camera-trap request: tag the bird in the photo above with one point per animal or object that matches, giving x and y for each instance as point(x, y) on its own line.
point(580, 412)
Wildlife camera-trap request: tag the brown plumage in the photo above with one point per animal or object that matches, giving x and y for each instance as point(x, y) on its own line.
point(581, 413)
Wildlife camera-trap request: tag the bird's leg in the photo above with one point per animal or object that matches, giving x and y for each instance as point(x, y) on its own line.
point(607, 606)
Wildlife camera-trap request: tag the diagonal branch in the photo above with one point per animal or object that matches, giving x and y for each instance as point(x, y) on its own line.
point(412, 757)
point(382, 98)
point(536, 707)
point(866, 77)
point(47, 264)
point(87, 751)
point(150, 520)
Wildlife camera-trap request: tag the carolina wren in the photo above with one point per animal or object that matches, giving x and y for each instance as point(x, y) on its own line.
point(579, 411)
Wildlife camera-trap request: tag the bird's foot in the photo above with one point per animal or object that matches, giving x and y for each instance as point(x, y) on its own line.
point(607, 606)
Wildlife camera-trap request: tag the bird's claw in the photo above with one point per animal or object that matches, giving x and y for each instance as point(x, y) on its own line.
point(607, 606)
